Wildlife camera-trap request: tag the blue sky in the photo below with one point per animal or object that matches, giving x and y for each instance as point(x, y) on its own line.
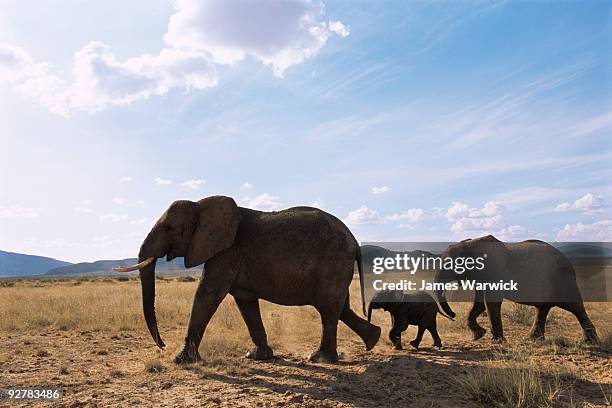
point(411, 121)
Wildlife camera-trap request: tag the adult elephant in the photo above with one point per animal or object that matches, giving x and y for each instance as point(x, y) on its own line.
point(298, 256)
point(545, 278)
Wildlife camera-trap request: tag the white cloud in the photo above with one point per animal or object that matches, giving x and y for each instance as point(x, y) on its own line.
point(87, 202)
point(277, 33)
point(33, 79)
point(125, 179)
point(247, 186)
point(162, 182)
point(597, 231)
point(367, 216)
point(193, 184)
point(380, 190)
point(471, 221)
point(263, 202)
point(411, 215)
point(112, 217)
point(83, 210)
point(458, 211)
point(587, 204)
point(363, 216)
point(119, 200)
point(200, 34)
point(339, 28)
point(19, 212)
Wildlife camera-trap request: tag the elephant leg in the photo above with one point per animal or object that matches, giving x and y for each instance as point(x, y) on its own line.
point(209, 295)
point(588, 329)
point(249, 309)
point(477, 308)
point(417, 340)
point(539, 324)
point(368, 332)
point(327, 352)
point(494, 313)
point(395, 334)
point(433, 330)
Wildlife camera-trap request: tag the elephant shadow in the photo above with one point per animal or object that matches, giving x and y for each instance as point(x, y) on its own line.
point(401, 379)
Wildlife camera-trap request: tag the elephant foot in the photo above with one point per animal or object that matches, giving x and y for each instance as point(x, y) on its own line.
point(498, 339)
point(187, 357)
point(321, 356)
point(397, 347)
point(438, 345)
point(373, 336)
point(260, 353)
point(536, 335)
point(414, 344)
point(590, 337)
point(477, 333)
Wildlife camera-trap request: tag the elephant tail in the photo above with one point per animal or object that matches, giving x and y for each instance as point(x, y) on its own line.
point(361, 279)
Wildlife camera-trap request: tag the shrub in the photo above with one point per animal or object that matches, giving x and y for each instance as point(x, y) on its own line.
point(509, 387)
point(153, 365)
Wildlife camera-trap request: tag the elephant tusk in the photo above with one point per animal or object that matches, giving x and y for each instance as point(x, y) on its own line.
point(134, 267)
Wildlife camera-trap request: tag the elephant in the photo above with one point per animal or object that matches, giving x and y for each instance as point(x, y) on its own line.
point(298, 256)
point(419, 309)
point(545, 278)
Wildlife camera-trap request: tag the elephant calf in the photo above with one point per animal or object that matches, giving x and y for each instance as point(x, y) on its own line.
point(419, 309)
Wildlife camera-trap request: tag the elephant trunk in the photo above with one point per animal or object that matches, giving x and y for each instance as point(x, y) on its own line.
point(153, 246)
point(147, 281)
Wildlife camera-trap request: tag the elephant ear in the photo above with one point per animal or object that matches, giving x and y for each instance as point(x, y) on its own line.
point(217, 223)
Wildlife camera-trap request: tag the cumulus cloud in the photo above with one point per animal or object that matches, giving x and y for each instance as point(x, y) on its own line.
point(33, 79)
point(597, 231)
point(367, 216)
point(277, 33)
point(263, 202)
point(18, 212)
point(125, 179)
point(247, 186)
point(588, 204)
point(201, 35)
point(161, 181)
point(380, 190)
point(193, 184)
point(473, 222)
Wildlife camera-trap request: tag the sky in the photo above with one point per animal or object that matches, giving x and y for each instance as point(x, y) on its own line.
point(410, 121)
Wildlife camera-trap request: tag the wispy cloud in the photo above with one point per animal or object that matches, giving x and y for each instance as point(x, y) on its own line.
point(193, 184)
point(161, 181)
point(19, 212)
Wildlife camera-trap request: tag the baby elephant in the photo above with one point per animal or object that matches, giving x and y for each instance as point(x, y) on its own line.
point(419, 309)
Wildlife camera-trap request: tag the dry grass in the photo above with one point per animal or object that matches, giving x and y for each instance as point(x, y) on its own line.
point(517, 374)
point(510, 386)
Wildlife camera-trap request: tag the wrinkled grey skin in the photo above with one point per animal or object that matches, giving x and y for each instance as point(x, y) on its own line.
point(418, 309)
point(298, 256)
point(541, 271)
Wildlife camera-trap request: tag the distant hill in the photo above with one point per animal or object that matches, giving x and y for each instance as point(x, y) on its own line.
point(13, 264)
point(105, 267)
point(586, 250)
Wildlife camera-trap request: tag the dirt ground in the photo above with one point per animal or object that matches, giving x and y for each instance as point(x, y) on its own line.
point(106, 362)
